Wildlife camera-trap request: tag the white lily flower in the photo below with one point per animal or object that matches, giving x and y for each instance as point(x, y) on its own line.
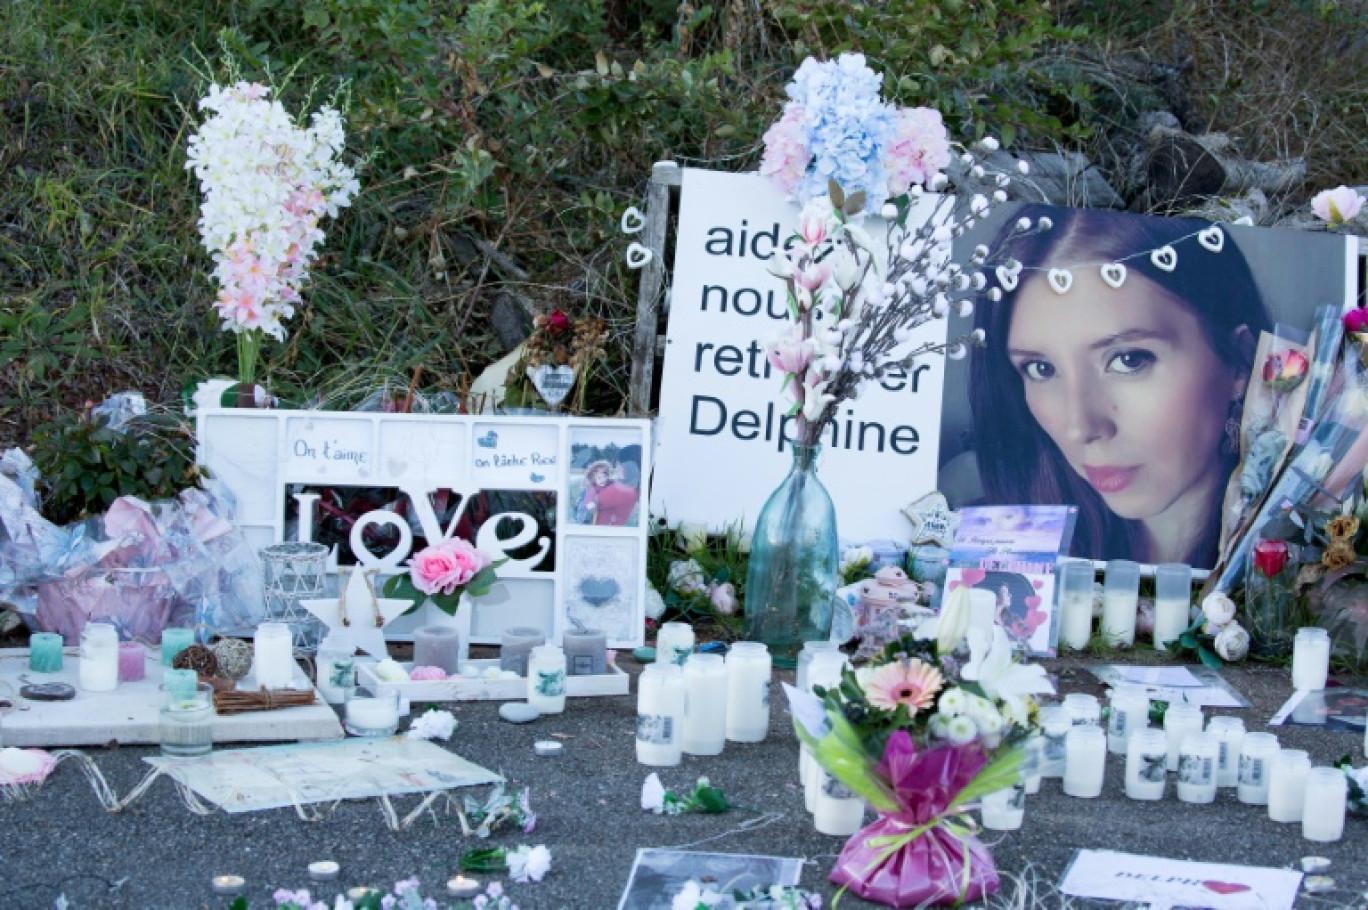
point(993, 666)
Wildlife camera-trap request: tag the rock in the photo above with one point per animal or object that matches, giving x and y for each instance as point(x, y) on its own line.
point(518, 712)
point(1176, 168)
point(510, 320)
point(1059, 179)
point(1252, 205)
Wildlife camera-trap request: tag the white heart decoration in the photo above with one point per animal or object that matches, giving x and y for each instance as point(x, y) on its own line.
point(632, 220)
point(1007, 278)
point(1166, 258)
point(638, 255)
point(553, 383)
point(1213, 238)
point(1060, 279)
point(1114, 273)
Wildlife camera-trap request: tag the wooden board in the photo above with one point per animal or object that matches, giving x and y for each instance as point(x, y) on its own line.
point(465, 688)
point(130, 714)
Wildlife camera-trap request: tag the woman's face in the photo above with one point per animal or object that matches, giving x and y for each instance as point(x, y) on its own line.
point(1125, 383)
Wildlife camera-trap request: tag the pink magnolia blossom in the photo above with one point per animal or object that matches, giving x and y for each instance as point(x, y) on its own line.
point(812, 276)
point(786, 155)
point(1338, 205)
point(446, 567)
point(920, 150)
point(790, 352)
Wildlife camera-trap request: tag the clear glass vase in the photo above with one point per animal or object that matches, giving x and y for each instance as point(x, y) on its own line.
point(1270, 606)
point(794, 563)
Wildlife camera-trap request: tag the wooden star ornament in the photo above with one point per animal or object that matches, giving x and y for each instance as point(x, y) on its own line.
point(357, 615)
point(932, 520)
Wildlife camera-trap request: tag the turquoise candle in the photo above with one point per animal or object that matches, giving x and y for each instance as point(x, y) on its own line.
point(175, 640)
point(45, 652)
point(180, 684)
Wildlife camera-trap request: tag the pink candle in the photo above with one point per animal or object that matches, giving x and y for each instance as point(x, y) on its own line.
point(132, 661)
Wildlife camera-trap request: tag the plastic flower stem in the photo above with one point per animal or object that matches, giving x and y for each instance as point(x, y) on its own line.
point(248, 349)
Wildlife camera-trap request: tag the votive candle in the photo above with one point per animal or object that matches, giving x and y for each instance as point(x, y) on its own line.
point(1172, 602)
point(1146, 755)
point(1085, 761)
point(1310, 658)
point(660, 712)
point(179, 684)
point(1256, 754)
point(705, 705)
point(674, 643)
point(273, 662)
point(1180, 720)
point(1054, 725)
point(45, 652)
point(376, 715)
point(1323, 813)
point(1129, 713)
point(175, 639)
point(1120, 602)
point(1229, 732)
point(99, 667)
point(1076, 579)
point(1032, 764)
point(515, 646)
point(749, 668)
point(837, 810)
point(1083, 709)
point(1287, 785)
point(1197, 768)
point(805, 656)
point(586, 652)
point(132, 661)
point(546, 679)
point(437, 646)
point(1005, 809)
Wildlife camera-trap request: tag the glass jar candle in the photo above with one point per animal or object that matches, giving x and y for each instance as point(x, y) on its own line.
point(1172, 602)
point(1082, 708)
point(1197, 768)
point(1076, 579)
point(1128, 713)
point(1085, 761)
point(187, 721)
point(1032, 764)
point(586, 652)
point(1256, 755)
point(1005, 809)
point(836, 809)
point(1179, 721)
point(1229, 733)
point(1323, 813)
point(273, 656)
point(824, 669)
point(179, 683)
point(437, 646)
point(45, 652)
point(1287, 785)
point(546, 679)
point(1146, 757)
point(674, 643)
point(810, 649)
point(132, 661)
point(1054, 726)
point(174, 640)
point(1310, 658)
point(660, 714)
point(1120, 602)
point(336, 671)
point(373, 715)
point(516, 644)
point(705, 705)
point(99, 667)
point(749, 668)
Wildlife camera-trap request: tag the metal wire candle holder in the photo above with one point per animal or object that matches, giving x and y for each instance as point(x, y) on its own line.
point(293, 572)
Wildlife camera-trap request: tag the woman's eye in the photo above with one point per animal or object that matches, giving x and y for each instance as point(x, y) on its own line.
point(1037, 370)
point(1130, 361)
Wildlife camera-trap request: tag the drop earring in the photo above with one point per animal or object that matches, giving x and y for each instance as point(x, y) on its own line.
point(1230, 441)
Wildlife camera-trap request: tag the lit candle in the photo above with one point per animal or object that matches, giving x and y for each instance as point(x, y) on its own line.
point(705, 705)
point(674, 643)
point(836, 810)
point(1076, 603)
point(586, 652)
point(1287, 785)
point(132, 661)
point(1083, 709)
point(460, 886)
point(1310, 658)
point(1197, 768)
point(1172, 602)
point(1120, 602)
point(273, 656)
point(374, 716)
point(1256, 754)
point(749, 668)
point(660, 712)
point(1085, 761)
point(546, 679)
point(1054, 724)
point(810, 649)
point(437, 646)
point(1230, 732)
point(515, 646)
point(1179, 721)
point(45, 652)
point(173, 641)
point(1323, 815)
point(228, 884)
point(1004, 810)
point(1128, 714)
point(99, 667)
point(1146, 753)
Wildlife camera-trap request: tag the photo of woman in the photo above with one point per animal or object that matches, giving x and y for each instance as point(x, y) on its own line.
point(1115, 395)
point(605, 479)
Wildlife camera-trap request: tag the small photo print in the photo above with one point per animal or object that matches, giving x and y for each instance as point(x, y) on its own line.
point(605, 477)
point(659, 875)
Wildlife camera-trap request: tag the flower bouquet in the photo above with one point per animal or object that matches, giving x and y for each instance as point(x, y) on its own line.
point(442, 573)
point(921, 736)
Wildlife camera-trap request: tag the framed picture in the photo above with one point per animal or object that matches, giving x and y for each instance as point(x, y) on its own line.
point(600, 584)
point(605, 477)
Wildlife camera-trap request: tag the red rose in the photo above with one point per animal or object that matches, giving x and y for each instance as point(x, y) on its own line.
point(557, 322)
point(1270, 557)
point(1285, 371)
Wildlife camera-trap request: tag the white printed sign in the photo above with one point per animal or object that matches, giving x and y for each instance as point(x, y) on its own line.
point(720, 402)
point(1158, 882)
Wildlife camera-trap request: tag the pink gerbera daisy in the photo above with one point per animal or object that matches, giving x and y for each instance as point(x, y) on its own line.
point(908, 682)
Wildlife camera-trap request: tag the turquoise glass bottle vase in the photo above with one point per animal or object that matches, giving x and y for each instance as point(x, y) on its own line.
point(794, 563)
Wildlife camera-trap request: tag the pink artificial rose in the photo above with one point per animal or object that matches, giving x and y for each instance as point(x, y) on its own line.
point(1356, 320)
point(1337, 206)
point(427, 674)
point(446, 567)
point(723, 598)
point(919, 151)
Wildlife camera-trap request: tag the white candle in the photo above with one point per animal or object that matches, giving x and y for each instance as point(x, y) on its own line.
point(1310, 658)
point(1120, 602)
point(824, 668)
point(1085, 761)
point(1054, 724)
point(660, 715)
point(1287, 785)
point(1323, 816)
point(1179, 721)
point(1197, 768)
point(674, 643)
point(546, 679)
point(1128, 714)
point(836, 810)
point(273, 656)
point(1082, 708)
point(336, 671)
point(705, 705)
point(1032, 764)
point(1256, 754)
point(99, 663)
point(1172, 602)
point(1076, 579)
point(1229, 732)
point(982, 610)
point(748, 692)
point(374, 716)
point(805, 656)
point(1004, 810)
point(1146, 754)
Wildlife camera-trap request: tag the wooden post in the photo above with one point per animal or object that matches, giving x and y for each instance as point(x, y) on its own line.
point(664, 176)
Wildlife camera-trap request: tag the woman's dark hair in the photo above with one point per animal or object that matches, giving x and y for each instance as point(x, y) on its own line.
point(1017, 460)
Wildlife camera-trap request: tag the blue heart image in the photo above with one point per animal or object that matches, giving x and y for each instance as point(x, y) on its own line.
point(537, 478)
point(489, 440)
point(599, 591)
